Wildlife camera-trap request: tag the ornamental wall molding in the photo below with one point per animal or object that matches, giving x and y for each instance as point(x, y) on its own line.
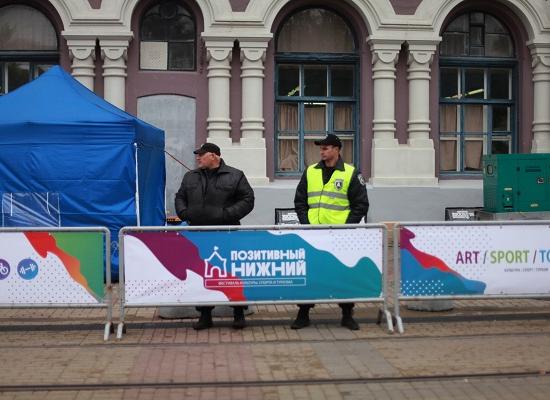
point(253, 51)
point(114, 49)
point(218, 53)
point(378, 15)
point(421, 53)
point(540, 53)
point(386, 52)
point(81, 50)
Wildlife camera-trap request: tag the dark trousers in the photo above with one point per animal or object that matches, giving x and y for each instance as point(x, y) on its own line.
point(237, 310)
point(346, 307)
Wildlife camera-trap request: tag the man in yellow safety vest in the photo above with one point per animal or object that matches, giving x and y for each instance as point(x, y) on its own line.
point(330, 192)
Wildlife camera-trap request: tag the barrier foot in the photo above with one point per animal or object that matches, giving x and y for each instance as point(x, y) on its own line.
point(400, 328)
point(120, 330)
point(389, 321)
point(108, 330)
point(383, 313)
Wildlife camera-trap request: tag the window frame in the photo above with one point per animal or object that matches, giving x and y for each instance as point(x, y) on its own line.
point(317, 59)
point(33, 64)
point(33, 57)
point(195, 33)
point(462, 63)
point(486, 64)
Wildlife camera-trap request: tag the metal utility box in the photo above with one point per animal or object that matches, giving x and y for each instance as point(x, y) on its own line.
point(516, 182)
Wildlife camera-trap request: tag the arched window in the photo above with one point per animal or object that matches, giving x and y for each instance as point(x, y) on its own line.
point(167, 37)
point(477, 79)
point(28, 46)
point(316, 88)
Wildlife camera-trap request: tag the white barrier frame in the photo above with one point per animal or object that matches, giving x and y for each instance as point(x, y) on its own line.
point(397, 296)
point(107, 299)
point(384, 312)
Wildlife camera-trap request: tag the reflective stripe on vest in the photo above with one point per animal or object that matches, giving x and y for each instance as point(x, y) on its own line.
point(328, 204)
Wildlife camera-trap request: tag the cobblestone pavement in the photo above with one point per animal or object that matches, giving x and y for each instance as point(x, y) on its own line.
point(482, 349)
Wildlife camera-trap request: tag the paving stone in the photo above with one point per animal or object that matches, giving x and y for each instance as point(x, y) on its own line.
point(58, 349)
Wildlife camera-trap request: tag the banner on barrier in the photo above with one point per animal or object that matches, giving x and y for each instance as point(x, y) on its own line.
point(52, 267)
point(252, 265)
point(475, 260)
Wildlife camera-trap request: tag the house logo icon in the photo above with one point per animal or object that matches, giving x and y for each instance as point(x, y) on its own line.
point(215, 262)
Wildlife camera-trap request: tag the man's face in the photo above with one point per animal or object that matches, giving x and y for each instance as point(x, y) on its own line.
point(206, 160)
point(329, 153)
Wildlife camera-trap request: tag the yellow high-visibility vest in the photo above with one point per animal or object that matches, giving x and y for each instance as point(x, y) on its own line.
point(328, 204)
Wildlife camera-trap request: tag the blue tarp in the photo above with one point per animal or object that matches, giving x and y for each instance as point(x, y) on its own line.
point(58, 140)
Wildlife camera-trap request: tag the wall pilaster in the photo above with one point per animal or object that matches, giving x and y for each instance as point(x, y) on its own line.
point(219, 75)
point(82, 54)
point(418, 75)
point(114, 54)
point(412, 163)
point(384, 59)
point(253, 153)
point(541, 93)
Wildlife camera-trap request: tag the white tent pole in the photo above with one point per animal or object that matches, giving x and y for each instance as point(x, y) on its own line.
point(137, 186)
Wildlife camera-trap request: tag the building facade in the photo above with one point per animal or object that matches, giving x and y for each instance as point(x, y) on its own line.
point(418, 90)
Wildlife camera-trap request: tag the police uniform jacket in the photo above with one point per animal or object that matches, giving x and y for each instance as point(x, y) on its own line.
point(219, 197)
point(357, 194)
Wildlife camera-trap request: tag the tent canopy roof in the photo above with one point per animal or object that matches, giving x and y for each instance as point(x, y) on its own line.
point(56, 98)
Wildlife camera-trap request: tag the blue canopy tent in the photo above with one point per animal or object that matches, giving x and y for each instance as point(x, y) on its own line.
point(69, 158)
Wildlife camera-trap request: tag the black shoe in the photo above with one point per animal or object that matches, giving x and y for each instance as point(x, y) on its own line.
point(349, 322)
point(300, 322)
point(302, 319)
point(204, 322)
point(239, 322)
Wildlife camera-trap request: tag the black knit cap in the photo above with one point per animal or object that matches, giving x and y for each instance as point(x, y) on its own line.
point(329, 140)
point(208, 148)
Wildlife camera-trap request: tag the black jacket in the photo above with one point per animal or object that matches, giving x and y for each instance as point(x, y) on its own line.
point(222, 198)
point(357, 195)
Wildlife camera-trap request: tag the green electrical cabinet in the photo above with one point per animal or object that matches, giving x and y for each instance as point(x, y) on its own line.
point(516, 182)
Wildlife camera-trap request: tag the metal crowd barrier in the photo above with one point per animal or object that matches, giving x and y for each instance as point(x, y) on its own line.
point(517, 251)
point(33, 266)
point(176, 252)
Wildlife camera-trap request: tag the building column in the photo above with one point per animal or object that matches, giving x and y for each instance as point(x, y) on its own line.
point(419, 60)
point(541, 93)
point(82, 54)
point(219, 75)
point(421, 147)
point(253, 153)
point(114, 53)
point(410, 164)
point(250, 153)
point(383, 74)
point(252, 76)
point(384, 144)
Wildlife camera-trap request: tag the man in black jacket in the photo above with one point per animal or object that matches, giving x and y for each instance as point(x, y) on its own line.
point(214, 194)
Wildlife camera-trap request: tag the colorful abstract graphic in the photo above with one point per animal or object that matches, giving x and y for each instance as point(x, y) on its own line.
point(256, 265)
point(177, 254)
point(78, 252)
point(423, 274)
